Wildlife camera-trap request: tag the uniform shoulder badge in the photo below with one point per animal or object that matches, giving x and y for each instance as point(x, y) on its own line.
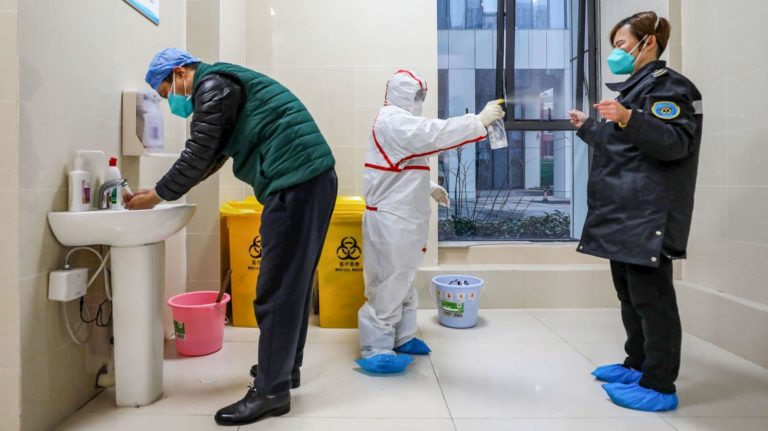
point(659, 72)
point(665, 110)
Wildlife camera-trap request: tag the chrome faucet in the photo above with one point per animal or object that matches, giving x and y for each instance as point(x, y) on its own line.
point(105, 192)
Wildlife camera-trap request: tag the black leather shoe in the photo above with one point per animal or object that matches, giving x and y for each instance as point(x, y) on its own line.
point(295, 376)
point(254, 407)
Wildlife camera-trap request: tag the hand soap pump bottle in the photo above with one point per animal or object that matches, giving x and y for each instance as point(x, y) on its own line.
point(113, 173)
point(79, 187)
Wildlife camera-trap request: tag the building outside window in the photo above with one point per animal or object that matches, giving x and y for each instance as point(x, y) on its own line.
point(535, 188)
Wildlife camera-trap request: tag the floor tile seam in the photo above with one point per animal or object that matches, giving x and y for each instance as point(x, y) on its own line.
point(561, 337)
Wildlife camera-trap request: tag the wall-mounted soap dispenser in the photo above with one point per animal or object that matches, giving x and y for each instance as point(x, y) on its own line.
point(142, 123)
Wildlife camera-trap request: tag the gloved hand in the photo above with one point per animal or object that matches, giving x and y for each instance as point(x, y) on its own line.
point(491, 113)
point(440, 195)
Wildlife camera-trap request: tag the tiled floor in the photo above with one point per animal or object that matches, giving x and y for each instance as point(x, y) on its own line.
point(517, 370)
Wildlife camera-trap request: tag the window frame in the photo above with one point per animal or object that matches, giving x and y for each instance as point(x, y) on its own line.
point(505, 65)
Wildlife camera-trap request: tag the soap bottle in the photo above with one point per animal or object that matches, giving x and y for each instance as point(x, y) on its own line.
point(113, 173)
point(79, 187)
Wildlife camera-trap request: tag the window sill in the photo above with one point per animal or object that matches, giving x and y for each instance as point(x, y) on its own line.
point(512, 253)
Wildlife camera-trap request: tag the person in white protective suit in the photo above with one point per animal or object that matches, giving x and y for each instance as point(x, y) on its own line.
point(397, 186)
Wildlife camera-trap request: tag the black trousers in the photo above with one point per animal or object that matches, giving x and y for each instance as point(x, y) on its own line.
point(651, 319)
point(293, 228)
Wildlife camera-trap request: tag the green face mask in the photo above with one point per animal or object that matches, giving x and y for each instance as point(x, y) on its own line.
point(621, 62)
point(180, 105)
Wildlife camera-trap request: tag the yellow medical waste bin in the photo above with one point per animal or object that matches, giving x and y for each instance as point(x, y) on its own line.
point(340, 274)
point(242, 220)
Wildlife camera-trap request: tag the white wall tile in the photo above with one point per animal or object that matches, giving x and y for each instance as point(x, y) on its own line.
point(9, 82)
point(745, 157)
point(206, 218)
point(259, 14)
point(371, 84)
point(728, 271)
point(346, 166)
point(713, 159)
point(39, 251)
point(96, 49)
point(228, 193)
point(8, 5)
point(706, 261)
point(745, 271)
point(10, 399)
point(345, 91)
point(328, 13)
point(10, 357)
point(329, 94)
point(745, 204)
point(260, 47)
point(203, 17)
point(233, 31)
point(414, 42)
point(9, 231)
point(711, 212)
point(203, 257)
point(746, 93)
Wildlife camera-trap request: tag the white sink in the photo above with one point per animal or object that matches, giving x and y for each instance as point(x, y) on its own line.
point(137, 258)
point(120, 228)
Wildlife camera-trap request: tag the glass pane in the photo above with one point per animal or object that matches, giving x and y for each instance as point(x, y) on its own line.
point(543, 68)
point(522, 192)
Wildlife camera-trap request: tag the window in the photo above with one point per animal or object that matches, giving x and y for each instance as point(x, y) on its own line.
point(536, 188)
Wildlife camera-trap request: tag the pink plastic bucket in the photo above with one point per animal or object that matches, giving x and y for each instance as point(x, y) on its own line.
point(198, 322)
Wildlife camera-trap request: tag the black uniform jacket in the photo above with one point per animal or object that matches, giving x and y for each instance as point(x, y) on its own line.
point(643, 176)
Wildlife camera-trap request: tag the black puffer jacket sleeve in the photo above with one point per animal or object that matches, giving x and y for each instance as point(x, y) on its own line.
point(217, 101)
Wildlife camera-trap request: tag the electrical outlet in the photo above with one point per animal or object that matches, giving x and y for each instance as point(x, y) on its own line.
point(67, 284)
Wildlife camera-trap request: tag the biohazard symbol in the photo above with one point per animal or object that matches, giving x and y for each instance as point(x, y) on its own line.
point(255, 249)
point(349, 250)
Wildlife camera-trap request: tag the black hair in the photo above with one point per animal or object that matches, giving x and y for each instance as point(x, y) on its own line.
point(645, 24)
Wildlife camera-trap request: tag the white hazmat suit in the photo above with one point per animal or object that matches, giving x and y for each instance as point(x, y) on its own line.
point(397, 190)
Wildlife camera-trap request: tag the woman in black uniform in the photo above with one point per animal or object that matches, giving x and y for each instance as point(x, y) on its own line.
point(640, 196)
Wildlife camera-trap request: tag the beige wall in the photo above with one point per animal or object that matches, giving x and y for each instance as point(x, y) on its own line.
point(611, 12)
point(203, 25)
point(10, 356)
point(337, 56)
point(75, 59)
point(725, 298)
point(216, 32)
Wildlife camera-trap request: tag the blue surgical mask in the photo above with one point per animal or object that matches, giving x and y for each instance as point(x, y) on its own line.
point(180, 105)
point(621, 62)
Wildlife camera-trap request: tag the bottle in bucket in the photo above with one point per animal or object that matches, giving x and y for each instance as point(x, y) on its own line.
point(458, 299)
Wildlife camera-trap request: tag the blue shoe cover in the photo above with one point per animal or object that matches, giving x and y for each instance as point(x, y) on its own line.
point(617, 373)
point(636, 397)
point(414, 347)
point(385, 364)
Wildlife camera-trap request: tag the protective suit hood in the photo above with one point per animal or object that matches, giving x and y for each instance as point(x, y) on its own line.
point(402, 90)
